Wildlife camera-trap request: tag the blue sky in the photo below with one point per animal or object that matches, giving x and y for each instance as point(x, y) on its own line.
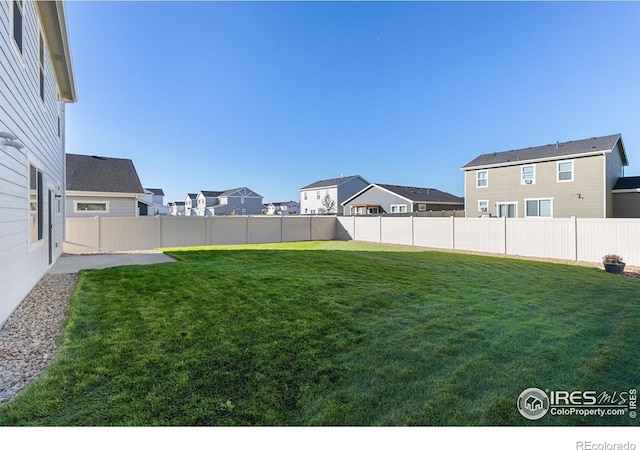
point(277, 95)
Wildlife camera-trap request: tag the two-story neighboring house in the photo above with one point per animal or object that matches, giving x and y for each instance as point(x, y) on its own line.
point(152, 204)
point(240, 201)
point(36, 81)
point(190, 204)
point(205, 200)
point(391, 199)
point(102, 186)
point(283, 208)
point(336, 190)
point(176, 208)
point(565, 179)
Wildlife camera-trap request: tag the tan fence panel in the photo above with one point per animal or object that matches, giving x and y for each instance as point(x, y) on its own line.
point(543, 238)
point(397, 230)
point(434, 232)
point(479, 234)
point(264, 229)
point(323, 228)
point(296, 228)
point(367, 229)
point(225, 230)
point(182, 231)
point(599, 237)
point(345, 228)
point(128, 233)
point(83, 231)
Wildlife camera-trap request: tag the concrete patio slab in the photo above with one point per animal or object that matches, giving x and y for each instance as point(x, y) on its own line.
point(75, 263)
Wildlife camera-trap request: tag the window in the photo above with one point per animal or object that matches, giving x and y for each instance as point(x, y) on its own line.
point(91, 207)
point(508, 209)
point(422, 207)
point(528, 175)
point(483, 205)
point(398, 208)
point(318, 195)
point(305, 195)
point(41, 68)
point(565, 171)
point(482, 178)
point(35, 205)
point(17, 23)
point(538, 208)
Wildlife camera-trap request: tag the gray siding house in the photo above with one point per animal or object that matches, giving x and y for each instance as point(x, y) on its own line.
point(101, 186)
point(568, 179)
point(36, 83)
point(240, 201)
point(337, 189)
point(391, 199)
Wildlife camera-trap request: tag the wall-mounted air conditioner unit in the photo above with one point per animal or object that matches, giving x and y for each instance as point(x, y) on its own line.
point(528, 181)
point(483, 209)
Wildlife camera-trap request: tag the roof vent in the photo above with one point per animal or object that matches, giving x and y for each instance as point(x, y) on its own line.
point(557, 144)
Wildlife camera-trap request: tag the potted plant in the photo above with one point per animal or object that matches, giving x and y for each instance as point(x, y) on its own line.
point(613, 263)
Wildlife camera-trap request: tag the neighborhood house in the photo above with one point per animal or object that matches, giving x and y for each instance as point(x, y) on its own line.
point(283, 208)
point(567, 179)
point(101, 186)
point(314, 197)
point(239, 201)
point(390, 199)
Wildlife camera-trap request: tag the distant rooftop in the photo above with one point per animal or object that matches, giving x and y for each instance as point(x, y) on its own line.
point(102, 174)
point(627, 183)
point(332, 182)
point(549, 151)
point(418, 194)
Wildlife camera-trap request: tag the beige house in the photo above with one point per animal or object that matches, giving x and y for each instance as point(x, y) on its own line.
point(569, 179)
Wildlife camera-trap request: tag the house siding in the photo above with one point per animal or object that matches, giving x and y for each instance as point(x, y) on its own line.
point(379, 197)
point(613, 171)
point(338, 193)
point(118, 206)
point(504, 186)
point(35, 123)
point(626, 205)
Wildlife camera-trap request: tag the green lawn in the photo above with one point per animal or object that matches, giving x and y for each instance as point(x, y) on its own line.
point(334, 333)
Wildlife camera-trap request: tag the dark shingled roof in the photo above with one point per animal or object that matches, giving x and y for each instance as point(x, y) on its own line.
point(101, 174)
point(332, 182)
point(210, 194)
point(155, 191)
point(423, 195)
point(627, 183)
point(551, 151)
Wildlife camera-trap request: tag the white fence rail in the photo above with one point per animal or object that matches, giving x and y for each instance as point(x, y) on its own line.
point(98, 234)
point(571, 239)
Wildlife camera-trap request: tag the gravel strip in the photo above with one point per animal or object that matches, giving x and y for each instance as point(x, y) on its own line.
point(28, 339)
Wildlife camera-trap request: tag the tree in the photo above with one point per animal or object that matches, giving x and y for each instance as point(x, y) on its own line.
point(328, 205)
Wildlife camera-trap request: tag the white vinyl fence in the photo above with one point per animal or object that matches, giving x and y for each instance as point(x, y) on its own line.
point(99, 234)
point(571, 239)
